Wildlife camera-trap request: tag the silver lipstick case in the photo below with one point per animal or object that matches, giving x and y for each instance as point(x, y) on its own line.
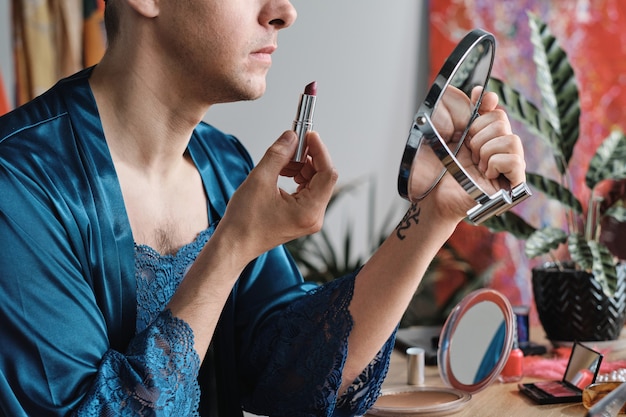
point(302, 124)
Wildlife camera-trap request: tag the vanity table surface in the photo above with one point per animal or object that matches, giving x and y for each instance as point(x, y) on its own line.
point(497, 400)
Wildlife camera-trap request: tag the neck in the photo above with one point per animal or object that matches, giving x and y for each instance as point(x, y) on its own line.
point(146, 125)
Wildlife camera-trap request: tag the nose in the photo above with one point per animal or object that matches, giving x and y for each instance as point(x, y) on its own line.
point(279, 13)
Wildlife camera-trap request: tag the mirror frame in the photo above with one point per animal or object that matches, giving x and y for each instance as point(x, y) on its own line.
point(446, 338)
point(423, 131)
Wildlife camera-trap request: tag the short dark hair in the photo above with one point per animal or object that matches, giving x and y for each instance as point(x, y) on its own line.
point(111, 20)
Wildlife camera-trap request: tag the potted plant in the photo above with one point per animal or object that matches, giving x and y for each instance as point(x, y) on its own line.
point(331, 253)
point(589, 304)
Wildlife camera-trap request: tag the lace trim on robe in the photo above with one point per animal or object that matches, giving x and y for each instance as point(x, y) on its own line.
point(158, 276)
point(158, 374)
point(156, 377)
point(302, 356)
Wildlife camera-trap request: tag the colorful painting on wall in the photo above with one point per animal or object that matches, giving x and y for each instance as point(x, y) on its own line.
point(592, 35)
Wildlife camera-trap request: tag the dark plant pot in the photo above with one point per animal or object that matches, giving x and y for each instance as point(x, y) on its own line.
point(573, 307)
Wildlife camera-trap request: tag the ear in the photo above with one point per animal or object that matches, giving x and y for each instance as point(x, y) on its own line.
point(147, 8)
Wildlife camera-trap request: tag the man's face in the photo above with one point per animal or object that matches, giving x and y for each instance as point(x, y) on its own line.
point(222, 48)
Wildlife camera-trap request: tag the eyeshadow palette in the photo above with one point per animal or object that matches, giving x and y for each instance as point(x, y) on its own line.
point(582, 369)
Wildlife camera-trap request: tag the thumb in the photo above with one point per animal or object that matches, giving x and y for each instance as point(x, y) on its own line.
point(279, 154)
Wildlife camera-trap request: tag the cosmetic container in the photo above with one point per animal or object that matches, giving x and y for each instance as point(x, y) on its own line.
point(415, 365)
point(513, 370)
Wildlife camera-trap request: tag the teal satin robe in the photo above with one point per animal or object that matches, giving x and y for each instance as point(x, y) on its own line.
point(67, 286)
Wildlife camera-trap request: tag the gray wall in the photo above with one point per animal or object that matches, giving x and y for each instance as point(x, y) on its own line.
point(371, 66)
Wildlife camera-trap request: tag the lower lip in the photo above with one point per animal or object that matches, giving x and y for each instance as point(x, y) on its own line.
point(262, 57)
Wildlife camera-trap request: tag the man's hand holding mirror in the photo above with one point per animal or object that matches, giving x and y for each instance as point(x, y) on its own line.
point(459, 130)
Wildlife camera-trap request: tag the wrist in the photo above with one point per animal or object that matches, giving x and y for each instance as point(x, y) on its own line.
point(423, 219)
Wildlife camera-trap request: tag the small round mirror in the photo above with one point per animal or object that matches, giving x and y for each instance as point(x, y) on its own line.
point(476, 341)
point(474, 345)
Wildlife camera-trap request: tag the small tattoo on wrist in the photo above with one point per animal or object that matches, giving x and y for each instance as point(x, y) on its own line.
point(411, 217)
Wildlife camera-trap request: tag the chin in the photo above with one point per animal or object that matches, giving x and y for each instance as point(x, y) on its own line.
point(256, 89)
point(250, 89)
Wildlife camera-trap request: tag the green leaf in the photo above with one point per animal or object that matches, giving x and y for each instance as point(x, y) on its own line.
point(595, 258)
point(347, 251)
point(543, 241)
point(321, 259)
point(509, 222)
point(618, 212)
point(609, 161)
point(554, 190)
point(520, 109)
point(604, 270)
point(558, 87)
point(580, 251)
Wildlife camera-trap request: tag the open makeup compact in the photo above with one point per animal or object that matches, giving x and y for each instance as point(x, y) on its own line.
point(474, 345)
point(477, 337)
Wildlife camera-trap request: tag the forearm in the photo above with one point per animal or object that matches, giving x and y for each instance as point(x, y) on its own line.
point(386, 284)
point(207, 285)
point(260, 216)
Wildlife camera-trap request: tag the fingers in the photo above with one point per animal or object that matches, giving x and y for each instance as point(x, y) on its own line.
point(318, 174)
point(316, 179)
point(318, 160)
point(490, 125)
point(488, 103)
point(268, 215)
point(511, 165)
point(277, 157)
point(494, 148)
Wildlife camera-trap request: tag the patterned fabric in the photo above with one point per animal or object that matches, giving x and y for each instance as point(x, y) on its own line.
point(53, 39)
point(158, 276)
point(320, 328)
point(157, 376)
point(303, 354)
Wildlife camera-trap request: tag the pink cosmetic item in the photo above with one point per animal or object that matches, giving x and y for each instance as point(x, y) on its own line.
point(513, 370)
point(303, 122)
point(581, 371)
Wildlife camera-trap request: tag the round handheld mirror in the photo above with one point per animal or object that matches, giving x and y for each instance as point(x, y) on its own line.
point(474, 345)
point(441, 125)
point(476, 341)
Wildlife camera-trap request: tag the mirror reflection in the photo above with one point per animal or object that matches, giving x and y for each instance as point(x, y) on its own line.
point(476, 341)
point(583, 366)
point(451, 104)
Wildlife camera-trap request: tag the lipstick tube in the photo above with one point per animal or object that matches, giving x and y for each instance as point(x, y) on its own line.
point(303, 122)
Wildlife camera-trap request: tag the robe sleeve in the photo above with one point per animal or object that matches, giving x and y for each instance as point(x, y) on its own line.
point(298, 359)
point(157, 376)
point(55, 352)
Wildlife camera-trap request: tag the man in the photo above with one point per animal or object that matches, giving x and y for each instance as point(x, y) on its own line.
point(114, 191)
